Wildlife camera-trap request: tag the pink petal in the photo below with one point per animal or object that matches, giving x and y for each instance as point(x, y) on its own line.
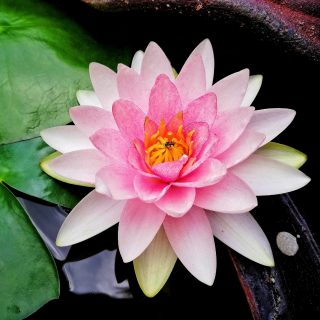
point(271, 122)
point(112, 144)
point(203, 155)
point(66, 139)
point(230, 195)
point(191, 81)
point(253, 88)
point(104, 82)
point(231, 90)
point(88, 98)
point(150, 127)
point(210, 172)
point(148, 189)
point(204, 109)
point(243, 234)
point(130, 119)
point(229, 125)
point(136, 162)
point(175, 123)
point(200, 137)
point(177, 201)
point(192, 241)
point(267, 176)
point(154, 63)
point(206, 52)
point(91, 119)
point(80, 165)
point(169, 171)
point(137, 61)
point(116, 182)
point(242, 148)
point(132, 87)
point(139, 223)
point(92, 215)
point(164, 100)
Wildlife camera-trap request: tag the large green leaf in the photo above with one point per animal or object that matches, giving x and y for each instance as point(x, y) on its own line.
point(28, 275)
point(19, 168)
point(44, 60)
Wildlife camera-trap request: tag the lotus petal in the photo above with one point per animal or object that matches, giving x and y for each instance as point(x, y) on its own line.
point(155, 62)
point(271, 122)
point(80, 165)
point(267, 176)
point(153, 267)
point(104, 82)
point(230, 195)
point(92, 215)
point(164, 101)
point(116, 182)
point(253, 88)
point(229, 125)
point(88, 98)
point(231, 90)
point(177, 201)
point(206, 52)
point(66, 139)
point(148, 189)
point(139, 224)
point(242, 233)
point(192, 241)
point(242, 148)
point(209, 173)
point(132, 87)
point(191, 81)
point(91, 119)
point(137, 61)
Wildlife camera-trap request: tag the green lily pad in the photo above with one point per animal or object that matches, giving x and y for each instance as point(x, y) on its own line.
point(19, 168)
point(44, 60)
point(28, 276)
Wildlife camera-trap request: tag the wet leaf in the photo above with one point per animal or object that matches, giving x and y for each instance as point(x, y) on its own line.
point(44, 60)
point(28, 276)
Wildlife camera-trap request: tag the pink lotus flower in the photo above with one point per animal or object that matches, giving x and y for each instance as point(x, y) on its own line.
point(172, 161)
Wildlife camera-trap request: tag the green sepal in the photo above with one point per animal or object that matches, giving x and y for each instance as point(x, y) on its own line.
point(282, 153)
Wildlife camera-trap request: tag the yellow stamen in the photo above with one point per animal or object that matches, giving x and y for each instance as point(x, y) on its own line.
point(165, 146)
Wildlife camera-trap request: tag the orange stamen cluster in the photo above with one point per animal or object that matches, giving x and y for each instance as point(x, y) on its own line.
point(166, 146)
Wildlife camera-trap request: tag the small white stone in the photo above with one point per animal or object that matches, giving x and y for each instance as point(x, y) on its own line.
point(287, 243)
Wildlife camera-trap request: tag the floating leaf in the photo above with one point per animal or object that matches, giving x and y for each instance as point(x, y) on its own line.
point(44, 60)
point(28, 275)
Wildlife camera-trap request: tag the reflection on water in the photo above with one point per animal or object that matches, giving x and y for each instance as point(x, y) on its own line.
point(96, 274)
point(48, 220)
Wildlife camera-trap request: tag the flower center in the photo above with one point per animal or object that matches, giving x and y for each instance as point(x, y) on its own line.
point(167, 145)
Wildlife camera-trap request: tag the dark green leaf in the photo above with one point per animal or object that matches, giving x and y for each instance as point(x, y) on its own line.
point(44, 60)
point(28, 274)
point(19, 168)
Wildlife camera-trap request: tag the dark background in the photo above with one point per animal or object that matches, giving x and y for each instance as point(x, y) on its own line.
point(290, 81)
